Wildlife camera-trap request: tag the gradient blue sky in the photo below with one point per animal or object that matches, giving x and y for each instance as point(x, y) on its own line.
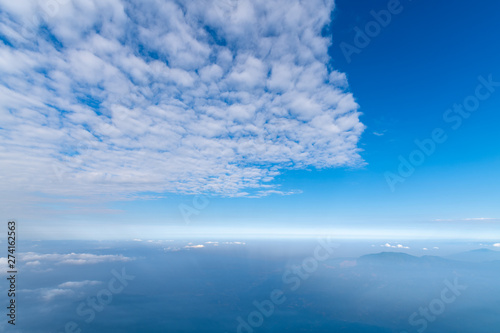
point(404, 80)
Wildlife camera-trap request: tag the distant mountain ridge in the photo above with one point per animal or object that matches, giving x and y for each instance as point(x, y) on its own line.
point(479, 255)
point(393, 257)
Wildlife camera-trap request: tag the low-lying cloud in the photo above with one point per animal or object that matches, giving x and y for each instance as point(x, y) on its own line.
point(30, 258)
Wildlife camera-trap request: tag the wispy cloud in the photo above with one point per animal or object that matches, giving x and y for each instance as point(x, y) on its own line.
point(50, 294)
point(79, 284)
point(184, 96)
point(33, 263)
point(199, 246)
point(71, 258)
point(468, 219)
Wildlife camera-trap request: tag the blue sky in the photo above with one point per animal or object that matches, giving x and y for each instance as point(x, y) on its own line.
point(119, 117)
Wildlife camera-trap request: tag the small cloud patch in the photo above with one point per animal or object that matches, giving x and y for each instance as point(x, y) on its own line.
point(397, 246)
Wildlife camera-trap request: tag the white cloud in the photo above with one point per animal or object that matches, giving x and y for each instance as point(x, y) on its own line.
point(72, 258)
point(50, 294)
point(496, 245)
point(171, 249)
point(194, 246)
point(33, 263)
point(397, 246)
point(79, 284)
point(187, 97)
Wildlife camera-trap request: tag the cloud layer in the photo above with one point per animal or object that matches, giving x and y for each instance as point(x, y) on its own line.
point(34, 259)
point(219, 96)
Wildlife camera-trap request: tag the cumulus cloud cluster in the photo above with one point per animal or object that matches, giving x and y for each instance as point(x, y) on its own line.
point(121, 97)
point(397, 246)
